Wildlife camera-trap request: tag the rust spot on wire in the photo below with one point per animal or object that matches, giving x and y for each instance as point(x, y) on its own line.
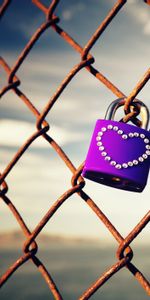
point(30, 247)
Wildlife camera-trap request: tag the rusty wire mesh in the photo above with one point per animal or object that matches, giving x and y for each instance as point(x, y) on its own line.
point(30, 247)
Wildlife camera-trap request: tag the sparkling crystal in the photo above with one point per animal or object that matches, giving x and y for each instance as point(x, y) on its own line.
point(146, 141)
point(98, 138)
point(101, 148)
point(148, 147)
point(144, 156)
point(100, 133)
point(113, 163)
point(125, 165)
point(118, 166)
point(99, 144)
point(142, 135)
point(104, 153)
point(109, 126)
point(130, 163)
point(147, 152)
point(108, 158)
point(136, 134)
point(135, 162)
point(131, 134)
point(115, 128)
point(141, 159)
point(124, 136)
point(103, 129)
point(120, 131)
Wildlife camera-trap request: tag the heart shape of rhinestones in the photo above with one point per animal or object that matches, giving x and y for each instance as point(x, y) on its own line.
point(124, 136)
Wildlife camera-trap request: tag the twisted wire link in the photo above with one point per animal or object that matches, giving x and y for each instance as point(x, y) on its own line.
point(124, 253)
point(136, 90)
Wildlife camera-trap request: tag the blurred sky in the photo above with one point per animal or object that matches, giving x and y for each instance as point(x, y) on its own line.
point(40, 177)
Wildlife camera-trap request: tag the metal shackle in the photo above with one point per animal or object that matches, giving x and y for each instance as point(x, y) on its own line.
point(144, 112)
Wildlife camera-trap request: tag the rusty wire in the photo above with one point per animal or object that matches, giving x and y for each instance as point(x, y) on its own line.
point(30, 247)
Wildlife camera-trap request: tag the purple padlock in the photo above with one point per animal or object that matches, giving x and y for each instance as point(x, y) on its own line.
point(119, 153)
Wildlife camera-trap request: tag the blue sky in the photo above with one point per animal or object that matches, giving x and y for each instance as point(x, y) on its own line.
point(122, 55)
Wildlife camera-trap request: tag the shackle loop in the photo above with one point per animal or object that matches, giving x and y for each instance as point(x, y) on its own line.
point(144, 112)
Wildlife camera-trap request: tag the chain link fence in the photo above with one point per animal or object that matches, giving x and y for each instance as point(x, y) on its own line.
point(30, 247)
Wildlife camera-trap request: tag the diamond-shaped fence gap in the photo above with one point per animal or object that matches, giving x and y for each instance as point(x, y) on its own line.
point(79, 91)
point(74, 208)
point(79, 130)
point(38, 162)
point(54, 68)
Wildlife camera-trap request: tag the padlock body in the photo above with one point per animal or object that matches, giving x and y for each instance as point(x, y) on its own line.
point(118, 156)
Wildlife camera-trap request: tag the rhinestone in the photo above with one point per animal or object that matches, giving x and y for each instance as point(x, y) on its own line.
point(147, 152)
point(135, 162)
point(101, 148)
point(107, 158)
point(103, 129)
point(98, 138)
point(110, 126)
point(125, 165)
point(104, 153)
point(100, 133)
point(120, 131)
point(141, 159)
point(99, 144)
point(124, 136)
point(146, 141)
point(113, 163)
point(115, 128)
point(147, 146)
point(142, 135)
point(130, 163)
point(131, 134)
point(136, 134)
point(118, 166)
point(144, 156)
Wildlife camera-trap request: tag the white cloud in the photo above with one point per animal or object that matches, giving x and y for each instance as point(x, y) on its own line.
point(28, 26)
point(141, 14)
point(67, 14)
point(14, 133)
point(147, 28)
